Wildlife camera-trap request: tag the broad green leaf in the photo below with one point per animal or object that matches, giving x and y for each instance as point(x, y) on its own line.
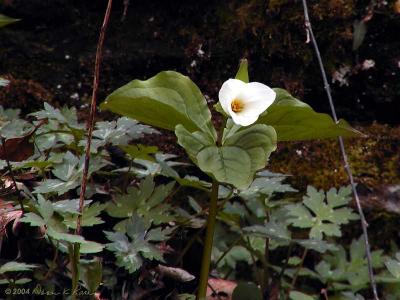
point(294, 120)
point(244, 151)
point(246, 291)
point(259, 141)
point(243, 73)
point(13, 266)
point(4, 20)
point(227, 164)
point(165, 100)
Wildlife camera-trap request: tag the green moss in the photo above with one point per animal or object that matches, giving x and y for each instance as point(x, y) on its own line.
point(374, 160)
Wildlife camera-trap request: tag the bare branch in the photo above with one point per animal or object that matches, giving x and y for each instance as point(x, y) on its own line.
point(364, 223)
point(92, 115)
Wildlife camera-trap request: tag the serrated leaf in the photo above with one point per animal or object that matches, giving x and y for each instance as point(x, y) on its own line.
point(119, 132)
point(68, 206)
point(67, 169)
point(140, 151)
point(131, 252)
point(320, 215)
point(270, 230)
point(164, 101)
point(234, 255)
point(316, 245)
point(62, 236)
point(348, 271)
point(56, 186)
point(33, 219)
point(266, 187)
point(90, 216)
point(146, 201)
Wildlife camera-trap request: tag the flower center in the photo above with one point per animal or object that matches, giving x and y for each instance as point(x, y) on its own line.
point(237, 105)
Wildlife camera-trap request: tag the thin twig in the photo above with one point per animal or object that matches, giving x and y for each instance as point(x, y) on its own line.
point(14, 182)
point(364, 223)
point(92, 115)
point(297, 272)
point(74, 250)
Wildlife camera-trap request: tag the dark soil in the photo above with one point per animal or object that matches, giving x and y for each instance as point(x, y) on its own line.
point(53, 47)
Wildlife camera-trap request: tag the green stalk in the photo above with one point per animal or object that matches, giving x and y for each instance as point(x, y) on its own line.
point(74, 252)
point(206, 260)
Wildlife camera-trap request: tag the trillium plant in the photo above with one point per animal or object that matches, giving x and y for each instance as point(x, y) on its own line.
point(256, 118)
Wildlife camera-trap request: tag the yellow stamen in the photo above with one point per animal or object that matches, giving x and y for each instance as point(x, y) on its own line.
point(237, 105)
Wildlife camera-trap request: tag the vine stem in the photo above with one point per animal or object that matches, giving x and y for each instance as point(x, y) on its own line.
point(364, 224)
point(207, 249)
point(296, 274)
point(76, 249)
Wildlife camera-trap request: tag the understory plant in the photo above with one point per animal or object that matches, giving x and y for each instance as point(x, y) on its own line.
point(256, 117)
point(145, 211)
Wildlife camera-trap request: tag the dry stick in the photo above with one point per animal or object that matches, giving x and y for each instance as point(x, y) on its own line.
point(74, 252)
point(90, 124)
point(10, 170)
point(364, 223)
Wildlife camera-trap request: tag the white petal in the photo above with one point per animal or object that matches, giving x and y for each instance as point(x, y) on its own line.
point(258, 94)
point(228, 92)
point(243, 119)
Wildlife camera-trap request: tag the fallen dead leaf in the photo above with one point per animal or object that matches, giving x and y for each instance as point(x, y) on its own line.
point(220, 289)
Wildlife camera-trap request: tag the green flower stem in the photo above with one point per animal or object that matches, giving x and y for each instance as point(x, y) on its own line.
point(74, 251)
point(206, 260)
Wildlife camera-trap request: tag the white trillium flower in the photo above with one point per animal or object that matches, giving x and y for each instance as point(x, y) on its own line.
point(244, 102)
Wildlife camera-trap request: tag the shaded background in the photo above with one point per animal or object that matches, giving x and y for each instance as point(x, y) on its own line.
point(54, 46)
point(49, 56)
